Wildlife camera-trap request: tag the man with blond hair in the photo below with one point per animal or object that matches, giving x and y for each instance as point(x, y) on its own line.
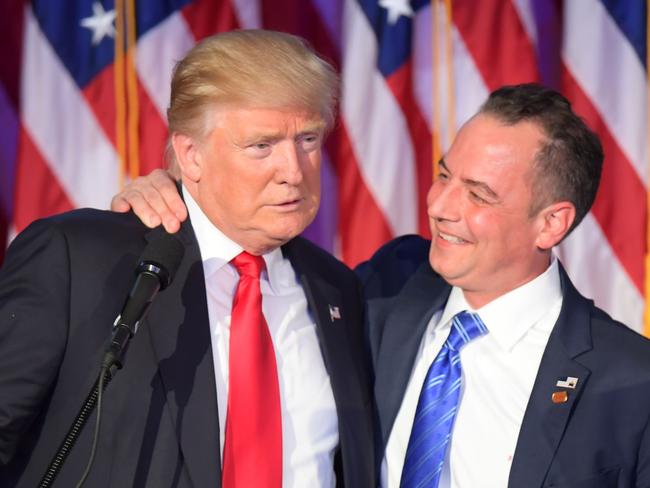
point(249, 369)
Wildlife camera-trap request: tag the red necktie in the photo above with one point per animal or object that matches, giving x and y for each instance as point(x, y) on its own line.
point(253, 447)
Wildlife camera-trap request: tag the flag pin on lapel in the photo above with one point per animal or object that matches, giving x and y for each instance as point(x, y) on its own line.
point(569, 382)
point(335, 313)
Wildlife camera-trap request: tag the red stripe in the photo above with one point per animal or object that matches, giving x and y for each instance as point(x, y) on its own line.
point(620, 206)
point(362, 225)
point(401, 84)
point(497, 40)
point(300, 18)
point(152, 133)
point(207, 17)
point(38, 192)
point(99, 93)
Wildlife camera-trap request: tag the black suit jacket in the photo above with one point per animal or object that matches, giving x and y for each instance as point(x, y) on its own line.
point(599, 438)
point(64, 281)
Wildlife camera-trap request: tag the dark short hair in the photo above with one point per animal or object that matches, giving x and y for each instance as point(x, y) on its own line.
point(569, 163)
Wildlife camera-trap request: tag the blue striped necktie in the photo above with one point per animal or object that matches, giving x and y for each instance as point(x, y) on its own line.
point(434, 416)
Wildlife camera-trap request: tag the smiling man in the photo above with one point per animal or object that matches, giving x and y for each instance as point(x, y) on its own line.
point(491, 370)
point(250, 369)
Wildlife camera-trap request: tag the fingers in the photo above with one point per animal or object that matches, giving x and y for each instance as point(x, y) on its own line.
point(166, 187)
point(154, 199)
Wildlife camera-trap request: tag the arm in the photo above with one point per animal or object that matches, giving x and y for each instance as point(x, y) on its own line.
point(34, 316)
point(154, 199)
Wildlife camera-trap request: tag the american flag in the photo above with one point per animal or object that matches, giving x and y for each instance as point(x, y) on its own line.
point(77, 120)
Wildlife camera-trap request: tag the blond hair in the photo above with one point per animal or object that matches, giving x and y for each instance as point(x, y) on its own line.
point(250, 68)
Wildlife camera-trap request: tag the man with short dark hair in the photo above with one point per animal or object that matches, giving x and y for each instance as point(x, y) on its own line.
point(491, 370)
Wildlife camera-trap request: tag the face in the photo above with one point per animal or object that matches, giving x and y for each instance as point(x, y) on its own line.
point(484, 239)
point(258, 174)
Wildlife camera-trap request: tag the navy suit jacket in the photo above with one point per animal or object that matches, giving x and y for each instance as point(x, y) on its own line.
point(599, 438)
point(64, 281)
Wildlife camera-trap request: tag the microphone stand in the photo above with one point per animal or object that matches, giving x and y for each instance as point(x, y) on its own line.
point(112, 362)
point(75, 429)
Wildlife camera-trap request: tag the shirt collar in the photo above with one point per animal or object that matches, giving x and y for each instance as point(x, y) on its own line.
point(217, 250)
point(510, 316)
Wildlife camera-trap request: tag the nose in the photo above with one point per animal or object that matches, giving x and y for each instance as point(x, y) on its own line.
point(290, 168)
point(443, 201)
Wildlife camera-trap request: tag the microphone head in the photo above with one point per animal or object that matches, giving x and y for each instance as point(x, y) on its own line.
point(162, 257)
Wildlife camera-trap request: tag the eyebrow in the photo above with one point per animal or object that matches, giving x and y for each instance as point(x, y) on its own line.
point(472, 183)
point(274, 135)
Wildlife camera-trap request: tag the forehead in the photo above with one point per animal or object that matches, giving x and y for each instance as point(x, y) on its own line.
point(243, 118)
point(487, 147)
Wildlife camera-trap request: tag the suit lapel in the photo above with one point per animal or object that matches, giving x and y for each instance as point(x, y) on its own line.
point(180, 336)
point(406, 317)
point(332, 323)
point(544, 421)
point(336, 328)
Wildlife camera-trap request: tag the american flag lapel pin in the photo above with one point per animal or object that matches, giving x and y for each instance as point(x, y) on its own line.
point(335, 313)
point(569, 382)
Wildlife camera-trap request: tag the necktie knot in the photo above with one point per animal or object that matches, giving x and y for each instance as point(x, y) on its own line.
point(249, 265)
point(465, 326)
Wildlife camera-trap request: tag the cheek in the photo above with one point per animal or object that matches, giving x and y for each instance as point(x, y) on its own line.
point(482, 224)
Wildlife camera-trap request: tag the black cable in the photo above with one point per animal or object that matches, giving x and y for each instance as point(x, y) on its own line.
point(103, 373)
point(75, 429)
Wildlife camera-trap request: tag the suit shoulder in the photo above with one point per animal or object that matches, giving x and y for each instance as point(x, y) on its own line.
point(79, 234)
point(625, 345)
point(386, 272)
point(400, 256)
point(95, 221)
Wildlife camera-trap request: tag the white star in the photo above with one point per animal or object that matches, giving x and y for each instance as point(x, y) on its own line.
point(396, 8)
point(101, 23)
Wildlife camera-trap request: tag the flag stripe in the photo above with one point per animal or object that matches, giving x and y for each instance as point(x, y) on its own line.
point(588, 257)
point(633, 26)
point(620, 193)
point(493, 26)
point(401, 84)
point(34, 177)
point(362, 223)
point(46, 107)
point(207, 17)
point(607, 83)
point(387, 168)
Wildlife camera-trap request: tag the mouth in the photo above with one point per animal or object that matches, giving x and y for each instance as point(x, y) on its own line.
point(288, 204)
point(452, 239)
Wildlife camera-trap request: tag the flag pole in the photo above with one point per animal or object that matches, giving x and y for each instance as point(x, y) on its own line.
point(132, 91)
point(646, 314)
point(120, 96)
point(435, 133)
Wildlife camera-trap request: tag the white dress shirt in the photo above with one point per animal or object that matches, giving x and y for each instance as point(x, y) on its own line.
point(499, 370)
point(309, 420)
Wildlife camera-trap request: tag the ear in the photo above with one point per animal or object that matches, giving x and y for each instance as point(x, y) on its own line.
point(188, 156)
point(555, 222)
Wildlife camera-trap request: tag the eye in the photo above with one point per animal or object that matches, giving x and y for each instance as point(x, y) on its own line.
point(443, 176)
point(310, 142)
point(259, 150)
point(474, 196)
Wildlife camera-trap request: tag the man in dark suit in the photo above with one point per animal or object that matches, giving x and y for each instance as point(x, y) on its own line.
point(554, 392)
point(248, 114)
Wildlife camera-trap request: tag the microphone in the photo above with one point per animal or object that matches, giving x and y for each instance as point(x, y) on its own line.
point(158, 265)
